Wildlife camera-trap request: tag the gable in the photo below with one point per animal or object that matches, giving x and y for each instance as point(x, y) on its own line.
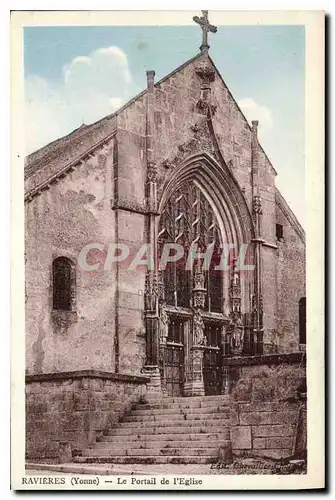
point(176, 115)
point(283, 206)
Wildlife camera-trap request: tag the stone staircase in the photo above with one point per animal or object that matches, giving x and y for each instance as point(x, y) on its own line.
point(171, 430)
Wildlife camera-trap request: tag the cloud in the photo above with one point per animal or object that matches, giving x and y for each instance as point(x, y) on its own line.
point(254, 111)
point(90, 88)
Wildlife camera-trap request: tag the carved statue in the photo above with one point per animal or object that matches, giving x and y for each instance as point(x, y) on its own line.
point(198, 329)
point(163, 325)
point(237, 337)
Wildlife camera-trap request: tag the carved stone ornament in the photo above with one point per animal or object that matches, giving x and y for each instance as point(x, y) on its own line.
point(197, 359)
point(167, 164)
point(203, 105)
point(206, 73)
point(197, 355)
point(260, 304)
point(161, 288)
point(254, 304)
point(199, 281)
point(152, 172)
point(199, 298)
point(257, 306)
point(235, 294)
point(197, 365)
point(151, 291)
point(200, 141)
point(257, 205)
point(199, 291)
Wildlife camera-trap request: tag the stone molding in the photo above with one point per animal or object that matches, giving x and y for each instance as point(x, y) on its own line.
point(266, 359)
point(117, 377)
point(133, 208)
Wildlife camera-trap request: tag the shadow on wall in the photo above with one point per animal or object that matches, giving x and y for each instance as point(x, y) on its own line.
point(265, 384)
point(268, 412)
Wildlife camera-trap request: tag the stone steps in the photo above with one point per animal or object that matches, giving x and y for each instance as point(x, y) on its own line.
point(146, 459)
point(155, 444)
point(159, 451)
point(195, 401)
point(169, 430)
point(180, 411)
point(185, 403)
point(164, 428)
point(178, 417)
point(163, 437)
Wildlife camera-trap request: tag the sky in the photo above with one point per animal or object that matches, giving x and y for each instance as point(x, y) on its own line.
point(76, 75)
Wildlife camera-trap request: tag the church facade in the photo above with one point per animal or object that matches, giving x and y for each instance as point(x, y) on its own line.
point(177, 166)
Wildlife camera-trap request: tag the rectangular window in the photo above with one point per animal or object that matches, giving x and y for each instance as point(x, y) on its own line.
point(176, 330)
point(279, 231)
point(213, 334)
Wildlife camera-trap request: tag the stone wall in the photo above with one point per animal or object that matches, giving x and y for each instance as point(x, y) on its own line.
point(129, 205)
point(264, 429)
point(291, 278)
point(61, 221)
point(75, 408)
point(267, 400)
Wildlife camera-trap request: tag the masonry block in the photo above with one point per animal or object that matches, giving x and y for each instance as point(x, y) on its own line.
point(259, 443)
point(272, 430)
point(279, 442)
point(241, 437)
point(277, 454)
point(259, 418)
point(264, 406)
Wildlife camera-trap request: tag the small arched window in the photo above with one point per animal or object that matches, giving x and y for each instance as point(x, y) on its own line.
point(302, 320)
point(64, 284)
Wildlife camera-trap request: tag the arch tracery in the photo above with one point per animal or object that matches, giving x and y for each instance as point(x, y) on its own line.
point(219, 185)
point(207, 309)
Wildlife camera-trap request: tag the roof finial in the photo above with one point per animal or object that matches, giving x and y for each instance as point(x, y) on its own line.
point(206, 27)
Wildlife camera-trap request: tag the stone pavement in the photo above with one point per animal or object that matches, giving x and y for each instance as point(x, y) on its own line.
point(240, 466)
point(115, 469)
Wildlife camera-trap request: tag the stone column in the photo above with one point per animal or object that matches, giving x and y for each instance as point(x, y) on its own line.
point(194, 385)
point(235, 328)
point(163, 331)
point(225, 342)
point(151, 368)
point(257, 300)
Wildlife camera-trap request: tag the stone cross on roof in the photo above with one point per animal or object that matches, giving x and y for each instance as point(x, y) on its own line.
point(206, 27)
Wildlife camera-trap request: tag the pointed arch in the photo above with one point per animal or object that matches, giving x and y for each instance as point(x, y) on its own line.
point(223, 192)
point(227, 201)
